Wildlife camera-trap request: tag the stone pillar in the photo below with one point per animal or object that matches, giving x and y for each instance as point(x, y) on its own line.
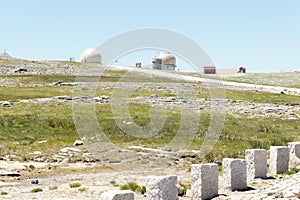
point(161, 188)
point(279, 159)
point(234, 174)
point(204, 179)
point(256, 163)
point(294, 153)
point(117, 195)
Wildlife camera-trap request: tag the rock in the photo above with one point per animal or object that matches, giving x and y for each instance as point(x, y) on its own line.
point(105, 97)
point(154, 96)
point(43, 141)
point(117, 195)
point(57, 83)
point(68, 84)
point(256, 163)
point(180, 188)
point(278, 195)
point(189, 193)
point(89, 157)
point(294, 151)
point(78, 143)
point(204, 179)
point(36, 153)
point(10, 173)
point(70, 149)
point(127, 122)
point(34, 181)
point(98, 99)
point(21, 70)
point(279, 159)
point(10, 157)
point(161, 188)
point(64, 98)
point(6, 104)
point(234, 174)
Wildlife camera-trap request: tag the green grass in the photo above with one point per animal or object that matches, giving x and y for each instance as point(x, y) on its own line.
point(4, 193)
point(276, 79)
point(249, 96)
point(262, 97)
point(23, 125)
point(133, 187)
point(75, 185)
point(35, 190)
point(16, 93)
point(26, 124)
point(293, 170)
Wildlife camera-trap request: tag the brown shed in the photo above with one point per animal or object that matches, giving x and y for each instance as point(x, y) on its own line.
point(209, 69)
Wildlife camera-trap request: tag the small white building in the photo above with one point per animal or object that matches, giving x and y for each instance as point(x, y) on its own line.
point(164, 61)
point(91, 55)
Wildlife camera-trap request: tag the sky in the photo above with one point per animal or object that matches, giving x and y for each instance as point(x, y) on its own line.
point(263, 35)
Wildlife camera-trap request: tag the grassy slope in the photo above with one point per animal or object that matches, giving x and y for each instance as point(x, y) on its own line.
point(23, 125)
point(291, 79)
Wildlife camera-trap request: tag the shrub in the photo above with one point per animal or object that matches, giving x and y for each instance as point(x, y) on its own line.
point(293, 170)
point(4, 193)
point(75, 185)
point(36, 190)
point(133, 187)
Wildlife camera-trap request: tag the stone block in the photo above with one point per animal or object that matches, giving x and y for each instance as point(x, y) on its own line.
point(117, 195)
point(161, 188)
point(204, 179)
point(234, 174)
point(279, 159)
point(294, 153)
point(256, 163)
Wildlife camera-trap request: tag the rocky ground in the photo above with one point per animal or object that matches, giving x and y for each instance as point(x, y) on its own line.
point(93, 179)
point(23, 180)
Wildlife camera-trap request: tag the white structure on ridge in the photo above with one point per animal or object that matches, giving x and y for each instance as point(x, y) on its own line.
point(164, 61)
point(91, 55)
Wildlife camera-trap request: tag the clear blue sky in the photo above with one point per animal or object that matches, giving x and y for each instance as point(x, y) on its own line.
point(263, 35)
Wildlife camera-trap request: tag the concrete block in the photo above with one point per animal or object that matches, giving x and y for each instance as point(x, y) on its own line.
point(117, 195)
point(204, 179)
point(161, 188)
point(279, 159)
point(234, 174)
point(256, 163)
point(294, 153)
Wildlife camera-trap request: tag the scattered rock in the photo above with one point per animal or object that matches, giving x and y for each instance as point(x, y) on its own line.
point(36, 153)
point(154, 96)
point(78, 143)
point(70, 149)
point(279, 195)
point(89, 157)
point(20, 70)
point(180, 188)
point(6, 104)
point(64, 98)
point(43, 141)
point(10, 174)
point(34, 181)
point(57, 83)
